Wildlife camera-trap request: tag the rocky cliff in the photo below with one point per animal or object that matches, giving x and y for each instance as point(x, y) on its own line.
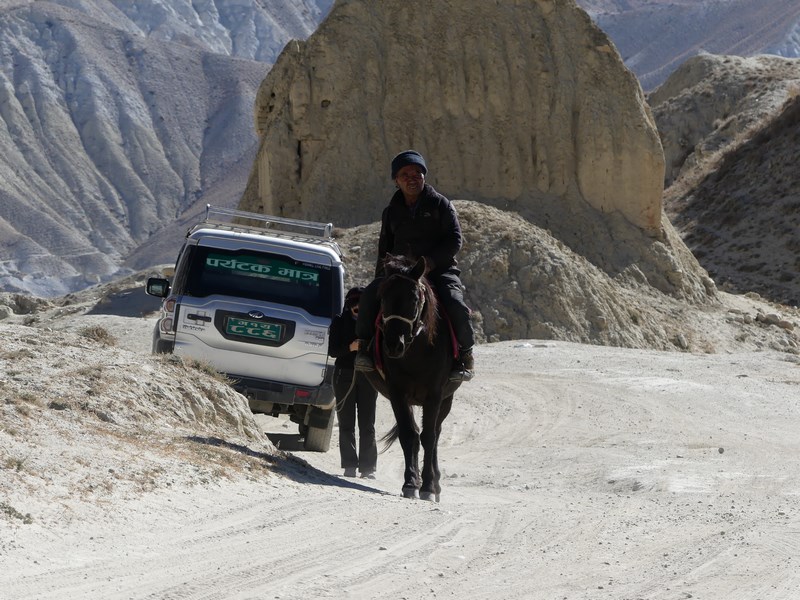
point(501, 97)
point(526, 107)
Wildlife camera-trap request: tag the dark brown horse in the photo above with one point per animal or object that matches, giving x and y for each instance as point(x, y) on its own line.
point(414, 360)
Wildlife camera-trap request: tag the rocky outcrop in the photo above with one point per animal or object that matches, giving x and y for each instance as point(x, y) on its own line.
point(526, 107)
point(510, 102)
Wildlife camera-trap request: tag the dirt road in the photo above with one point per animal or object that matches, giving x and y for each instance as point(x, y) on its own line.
point(570, 471)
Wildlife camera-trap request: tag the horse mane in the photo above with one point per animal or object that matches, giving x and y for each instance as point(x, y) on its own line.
point(404, 265)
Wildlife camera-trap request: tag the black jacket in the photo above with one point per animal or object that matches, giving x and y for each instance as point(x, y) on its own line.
point(341, 333)
point(431, 230)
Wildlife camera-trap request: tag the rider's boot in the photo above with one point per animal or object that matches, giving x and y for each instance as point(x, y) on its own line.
point(363, 361)
point(464, 367)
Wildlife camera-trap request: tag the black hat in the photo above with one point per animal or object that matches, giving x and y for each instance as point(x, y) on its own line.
point(408, 157)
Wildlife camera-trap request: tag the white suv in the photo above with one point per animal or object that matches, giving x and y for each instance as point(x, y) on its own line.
point(253, 296)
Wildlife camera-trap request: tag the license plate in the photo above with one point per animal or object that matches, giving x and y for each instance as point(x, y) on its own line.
point(254, 329)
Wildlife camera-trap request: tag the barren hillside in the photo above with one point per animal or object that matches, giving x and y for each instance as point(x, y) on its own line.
point(729, 129)
point(117, 117)
point(742, 219)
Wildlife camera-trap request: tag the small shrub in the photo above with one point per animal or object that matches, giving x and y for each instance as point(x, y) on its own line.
point(29, 397)
point(12, 512)
point(14, 464)
point(206, 368)
point(99, 334)
point(21, 353)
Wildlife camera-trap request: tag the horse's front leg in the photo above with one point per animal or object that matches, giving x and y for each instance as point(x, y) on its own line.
point(409, 440)
point(431, 432)
point(429, 490)
point(430, 440)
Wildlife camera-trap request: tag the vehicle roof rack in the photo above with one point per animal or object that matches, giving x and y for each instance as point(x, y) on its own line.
point(255, 221)
point(239, 221)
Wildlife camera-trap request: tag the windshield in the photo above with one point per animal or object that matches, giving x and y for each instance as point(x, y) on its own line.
point(262, 276)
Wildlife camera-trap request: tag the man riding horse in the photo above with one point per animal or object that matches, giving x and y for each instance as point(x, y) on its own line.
point(420, 222)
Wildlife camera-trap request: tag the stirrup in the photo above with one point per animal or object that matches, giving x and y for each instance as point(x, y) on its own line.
point(461, 374)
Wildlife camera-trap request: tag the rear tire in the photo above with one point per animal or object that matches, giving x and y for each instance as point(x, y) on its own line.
point(320, 429)
point(163, 347)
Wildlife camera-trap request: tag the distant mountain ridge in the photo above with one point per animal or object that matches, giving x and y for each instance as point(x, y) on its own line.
point(116, 117)
point(655, 37)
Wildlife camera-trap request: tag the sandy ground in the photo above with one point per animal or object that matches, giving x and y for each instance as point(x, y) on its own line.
point(570, 472)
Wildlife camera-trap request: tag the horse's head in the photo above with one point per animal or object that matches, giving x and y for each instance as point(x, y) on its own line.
point(408, 305)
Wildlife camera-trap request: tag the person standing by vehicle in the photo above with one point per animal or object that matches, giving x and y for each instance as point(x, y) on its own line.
point(420, 222)
point(355, 396)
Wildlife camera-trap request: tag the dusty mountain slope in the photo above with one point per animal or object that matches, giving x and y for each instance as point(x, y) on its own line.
point(105, 141)
point(742, 219)
point(713, 101)
point(610, 473)
point(729, 134)
point(655, 37)
point(253, 30)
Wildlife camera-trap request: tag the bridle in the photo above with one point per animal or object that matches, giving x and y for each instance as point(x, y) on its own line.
point(413, 323)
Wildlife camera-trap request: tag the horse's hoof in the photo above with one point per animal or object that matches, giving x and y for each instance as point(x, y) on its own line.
point(430, 496)
point(410, 493)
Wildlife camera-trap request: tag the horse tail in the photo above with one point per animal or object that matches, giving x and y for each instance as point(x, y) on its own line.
point(390, 438)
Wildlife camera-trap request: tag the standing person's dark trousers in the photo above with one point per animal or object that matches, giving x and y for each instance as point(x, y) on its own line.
point(355, 396)
point(358, 404)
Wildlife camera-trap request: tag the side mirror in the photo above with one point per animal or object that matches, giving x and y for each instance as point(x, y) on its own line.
point(156, 286)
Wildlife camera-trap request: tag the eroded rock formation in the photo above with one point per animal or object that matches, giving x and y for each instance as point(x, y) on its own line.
point(509, 102)
point(525, 107)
